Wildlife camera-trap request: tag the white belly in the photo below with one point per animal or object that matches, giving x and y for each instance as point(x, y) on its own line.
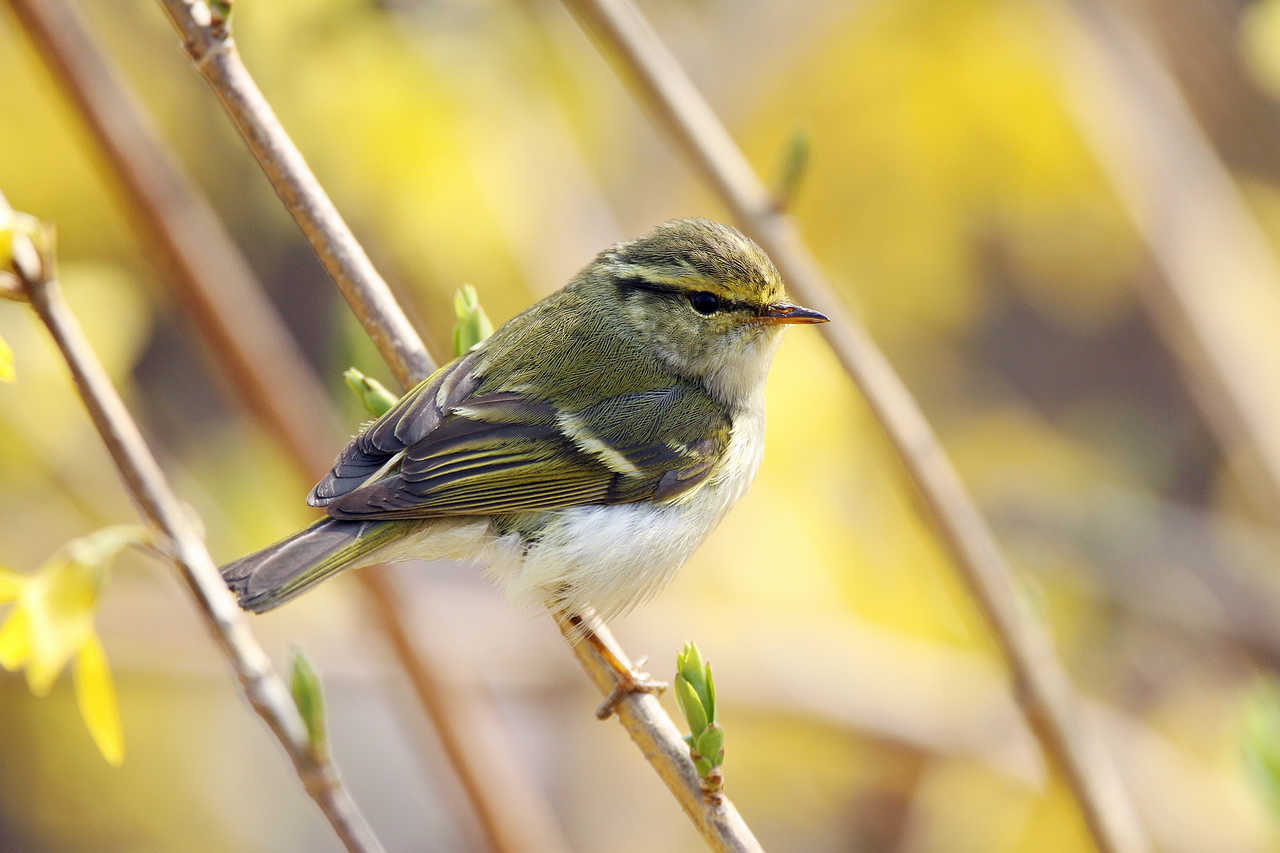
point(612, 558)
point(609, 558)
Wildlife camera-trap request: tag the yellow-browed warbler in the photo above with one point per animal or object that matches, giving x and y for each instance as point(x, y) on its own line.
point(582, 451)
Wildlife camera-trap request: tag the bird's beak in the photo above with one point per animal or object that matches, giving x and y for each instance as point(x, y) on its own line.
point(786, 312)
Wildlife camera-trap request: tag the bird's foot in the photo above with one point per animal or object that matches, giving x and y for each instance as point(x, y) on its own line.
point(628, 681)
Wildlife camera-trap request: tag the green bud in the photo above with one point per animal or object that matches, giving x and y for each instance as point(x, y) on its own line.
point(472, 325)
point(219, 11)
point(711, 744)
point(374, 396)
point(309, 697)
point(703, 766)
point(689, 664)
point(690, 705)
point(795, 165)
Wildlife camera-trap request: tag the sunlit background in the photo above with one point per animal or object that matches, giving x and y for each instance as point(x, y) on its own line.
point(956, 196)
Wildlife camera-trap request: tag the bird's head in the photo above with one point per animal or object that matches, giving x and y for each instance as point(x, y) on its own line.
point(705, 299)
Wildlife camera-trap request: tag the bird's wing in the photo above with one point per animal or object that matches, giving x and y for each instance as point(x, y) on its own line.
point(504, 451)
point(411, 419)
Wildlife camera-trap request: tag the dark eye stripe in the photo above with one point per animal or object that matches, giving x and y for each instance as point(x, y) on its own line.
point(638, 283)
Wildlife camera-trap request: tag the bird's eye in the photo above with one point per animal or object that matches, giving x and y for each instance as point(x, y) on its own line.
point(704, 302)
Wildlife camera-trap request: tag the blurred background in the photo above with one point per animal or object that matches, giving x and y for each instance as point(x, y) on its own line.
point(997, 194)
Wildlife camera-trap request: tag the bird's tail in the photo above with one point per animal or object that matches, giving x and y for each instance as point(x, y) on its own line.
point(272, 576)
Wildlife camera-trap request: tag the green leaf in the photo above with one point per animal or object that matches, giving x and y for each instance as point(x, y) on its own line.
point(709, 699)
point(703, 766)
point(471, 325)
point(680, 694)
point(309, 697)
point(374, 396)
point(711, 743)
point(6, 362)
point(691, 705)
point(689, 664)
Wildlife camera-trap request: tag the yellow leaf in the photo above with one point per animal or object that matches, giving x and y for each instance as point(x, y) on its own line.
point(15, 639)
point(96, 697)
point(6, 362)
point(60, 605)
point(10, 585)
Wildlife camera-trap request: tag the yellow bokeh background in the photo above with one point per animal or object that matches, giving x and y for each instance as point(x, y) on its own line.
point(961, 213)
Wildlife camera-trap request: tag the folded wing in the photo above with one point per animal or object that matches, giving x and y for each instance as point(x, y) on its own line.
point(465, 453)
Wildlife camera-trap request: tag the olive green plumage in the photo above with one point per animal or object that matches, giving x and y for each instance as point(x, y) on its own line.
point(621, 388)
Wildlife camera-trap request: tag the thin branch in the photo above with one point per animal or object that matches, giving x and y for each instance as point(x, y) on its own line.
point(214, 53)
point(1041, 685)
point(253, 347)
point(143, 478)
point(211, 278)
point(642, 715)
point(1216, 303)
point(208, 40)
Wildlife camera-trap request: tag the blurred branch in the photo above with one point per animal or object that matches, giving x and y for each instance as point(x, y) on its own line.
point(142, 476)
point(252, 345)
point(659, 740)
point(211, 48)
point(1188, 570)
point(878, 684)
point(246, 337)
point(1041, 685)
point(1219, 273)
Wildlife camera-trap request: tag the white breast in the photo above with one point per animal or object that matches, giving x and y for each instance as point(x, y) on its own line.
point(614, 557)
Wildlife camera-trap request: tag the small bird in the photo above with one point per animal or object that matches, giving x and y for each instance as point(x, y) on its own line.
point(582, 451)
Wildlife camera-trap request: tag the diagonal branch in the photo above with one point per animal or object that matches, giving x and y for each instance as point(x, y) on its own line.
point(205, 30)
point(253, 347)
point(143, 478)
point(1041, 685)
point(212, 50)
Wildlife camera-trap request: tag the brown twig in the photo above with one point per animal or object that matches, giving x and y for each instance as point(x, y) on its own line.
point(642, 715)
point(208, 40)
point(252, 346)
point(1215, 303)
point(1041, 684)
point(214, 53)
point(144, 480)
point(212, 280)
